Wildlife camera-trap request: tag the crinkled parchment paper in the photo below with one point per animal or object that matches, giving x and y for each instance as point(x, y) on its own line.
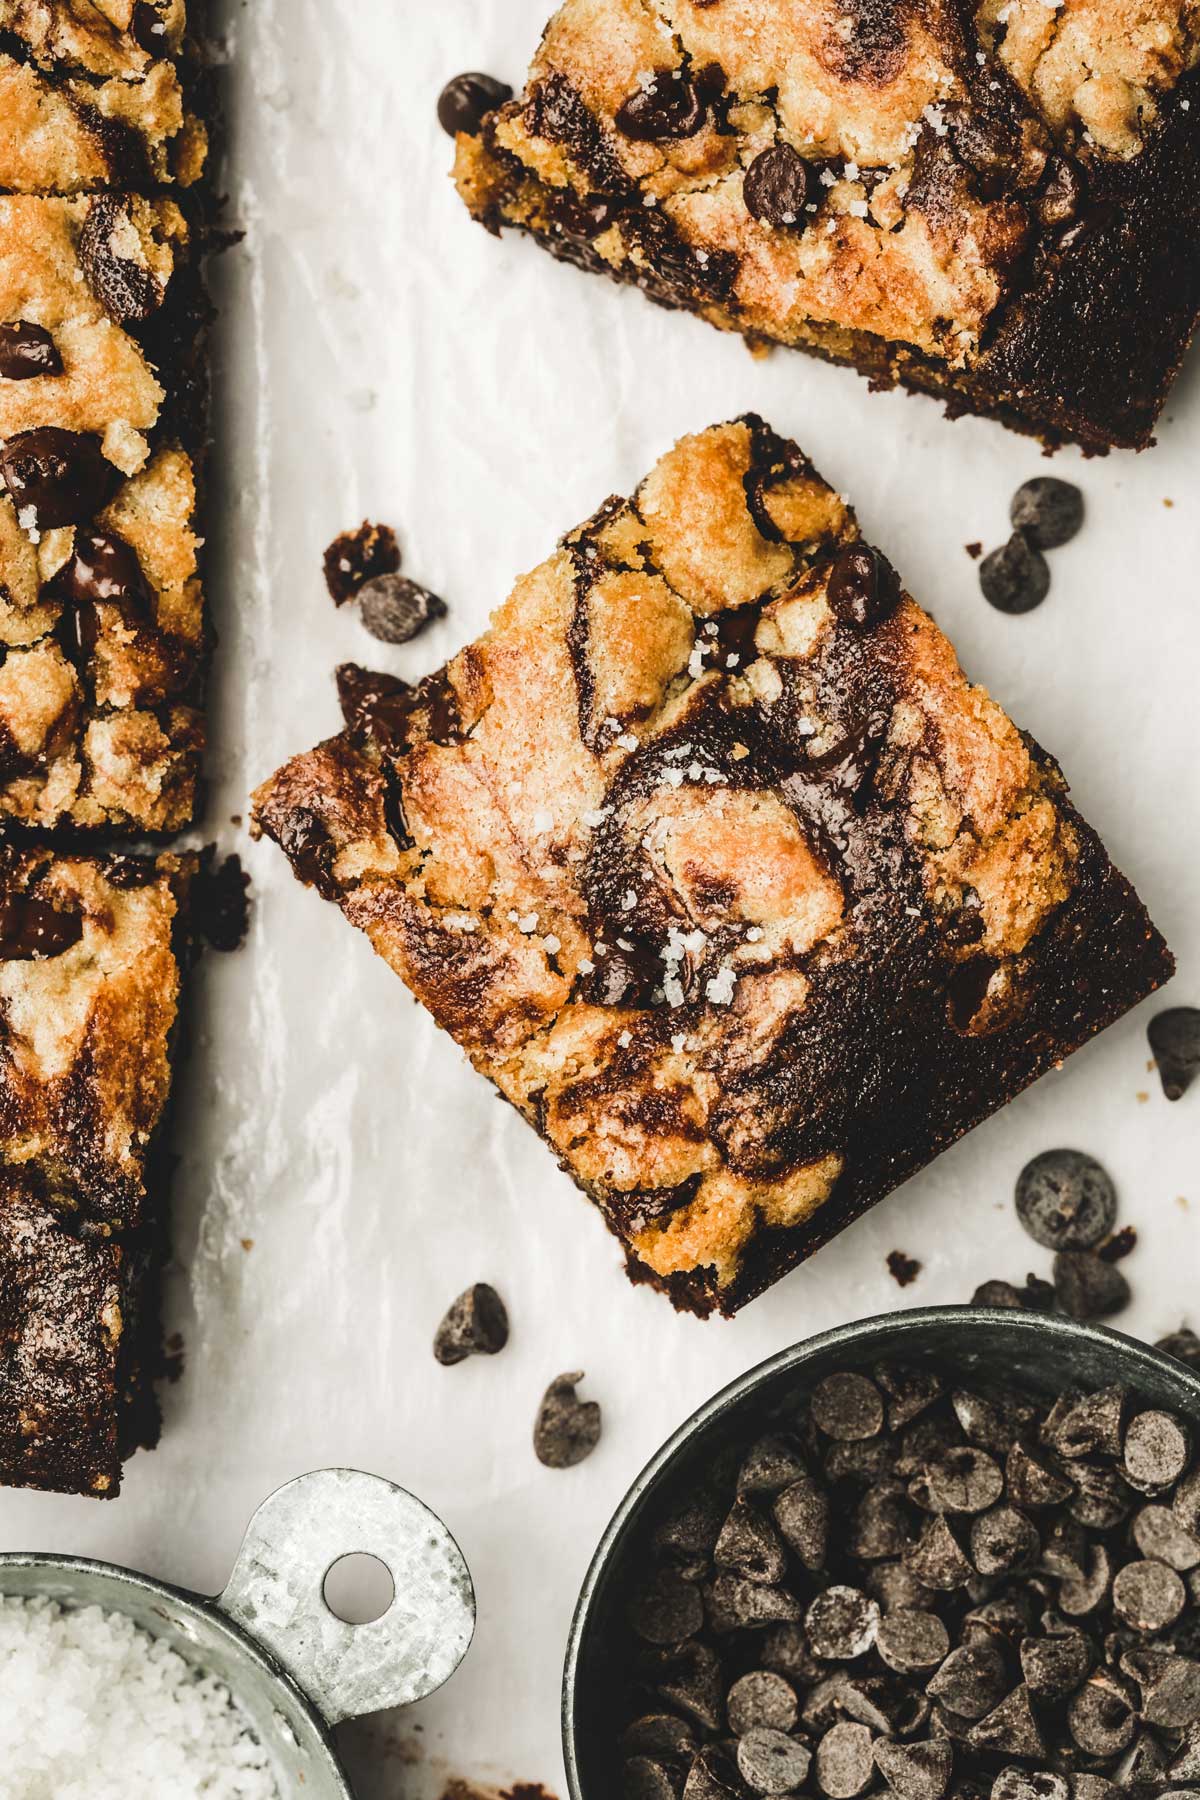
point(344, 1173)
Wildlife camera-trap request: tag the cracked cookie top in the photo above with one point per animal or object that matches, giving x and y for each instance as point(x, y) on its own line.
point(706, 840)
point(798, 166)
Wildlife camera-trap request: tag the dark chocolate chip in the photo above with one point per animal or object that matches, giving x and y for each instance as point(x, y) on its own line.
point(466, 100)
point(1101, 1498)
point(31, 930)
point(846, 1696)
point(841, 1624)
point(104, 570)
point(1081, 1595)
point(1066, 1200)
point(1148, 1595)
point(1010, 1729)
point(848, 1407)
point(762, 1697)
point(1087, 1286)
point(911, 1642)
point(1034, 1481)
point(1048, 511)
point(1101, 1717)
point(903, 1269)
point(776, 186)
point(910, 1392)
point(1016, 577)
point(802, 1515)
point(1175, 1043)
point(394, 609)
point(963, 1480)
point(735, 1604)
point(845, 1761)
point(1161, 1534)
point(476, 1325)
point(658, 1734)
point(895, 1586)
point(882, 1522)
point(1158, 1448)
point(668, 1610)
point(56, 477)
point(692, 1680)
point(1003, 1539)
point(1036, 1296)
point(567, 1429)
point(992, 1423)
point(711, 1777)
point(148, 29)
point(971, 1681)
point(356, 557)
point(863, 586)
point(786, 1651)
point(691, 1529)
point(937, 1559)
point(669, 106)
point(27, 350)
point(770, 1762)
point(915, 1771)
point(127, 288)
point(1029, 1784)
point(1077, 1427)
point(1054, 1666)
point(644, 1779)
point(749, 1545)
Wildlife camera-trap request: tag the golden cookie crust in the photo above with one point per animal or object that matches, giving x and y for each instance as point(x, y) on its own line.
point(750, 905)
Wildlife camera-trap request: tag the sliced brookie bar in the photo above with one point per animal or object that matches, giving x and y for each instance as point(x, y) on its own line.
point(998, 204)
point(711, 857)
point(102, 625)
point(93, 951)
point(98, 95)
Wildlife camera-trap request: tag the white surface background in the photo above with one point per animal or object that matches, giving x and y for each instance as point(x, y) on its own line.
point(344, 1173)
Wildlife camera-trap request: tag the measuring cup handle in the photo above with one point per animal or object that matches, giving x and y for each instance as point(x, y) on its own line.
point(275, 1592)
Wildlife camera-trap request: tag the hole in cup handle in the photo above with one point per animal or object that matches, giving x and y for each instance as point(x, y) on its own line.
point(276, 1592)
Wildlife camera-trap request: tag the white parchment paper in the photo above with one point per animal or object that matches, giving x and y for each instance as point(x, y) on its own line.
point(344, 1173)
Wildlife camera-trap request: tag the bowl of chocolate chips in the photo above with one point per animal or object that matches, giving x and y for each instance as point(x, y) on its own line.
point(945, 1555)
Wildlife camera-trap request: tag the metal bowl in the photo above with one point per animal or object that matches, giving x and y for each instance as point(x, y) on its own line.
point(294, 1668)
point(1034, 1350)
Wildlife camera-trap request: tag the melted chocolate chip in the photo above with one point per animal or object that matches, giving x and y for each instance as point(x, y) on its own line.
point(586, 218)
point(465, 102)
point(379, 704)
point(777, 185)
point(127, 289)
point(670, 107)
point(27, 350)
point(1062, 193)
point(147, 29)
point(221, 905)
point(773, 462)
point(104, 569)
point(30, 930)
point(863, 586)
point(62, 476)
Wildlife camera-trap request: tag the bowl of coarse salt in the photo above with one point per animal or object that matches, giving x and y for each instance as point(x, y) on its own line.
point(117, 1686)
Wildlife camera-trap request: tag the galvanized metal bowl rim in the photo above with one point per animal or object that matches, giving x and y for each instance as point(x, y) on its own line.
point(1122, 1350)
point(240, 1641)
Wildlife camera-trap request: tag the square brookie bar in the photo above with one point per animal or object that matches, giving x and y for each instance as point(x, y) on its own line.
point(997, 204)
point(92, 956)
point(98, 94)
point(713, 860)
point(102, 399)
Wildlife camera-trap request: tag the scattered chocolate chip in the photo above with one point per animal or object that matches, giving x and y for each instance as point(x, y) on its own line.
point(903, 1269)
point(1175, 1044)
point(770, 1762)
point(567, 1429)
point(845, 1760)
point(911, 1642)
point(475, 1325)
point(1035, 1296)
point(669, 106)
point(31, 930)
point(1087, 1287)
point(1157, 1450)
point(668, 1610)
point(27, 350)
point(466, 100)
point(848, 1407)
point(863, 586)
point(1048, 511)
point(841, 1624)
point(56, 477)
point(762, 1698)
point(394, 609)
point(1055, 1665)
point(1066, 1200)
point(1101, 1717)
point(356, 557)
point(777, 185)
point(802, 1515)
point(915, 1771)
point(1016, 577)
point(749, 1545)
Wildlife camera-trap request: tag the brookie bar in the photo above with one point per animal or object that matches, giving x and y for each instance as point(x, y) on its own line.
point(712, 859)
point(92, 956)
point(997, 204)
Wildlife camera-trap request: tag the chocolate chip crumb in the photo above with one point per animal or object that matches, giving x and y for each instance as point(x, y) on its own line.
point(974, 549)
point(902, 1268)
point(356, 557)
point(475, 1325)
point(567, 1429)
